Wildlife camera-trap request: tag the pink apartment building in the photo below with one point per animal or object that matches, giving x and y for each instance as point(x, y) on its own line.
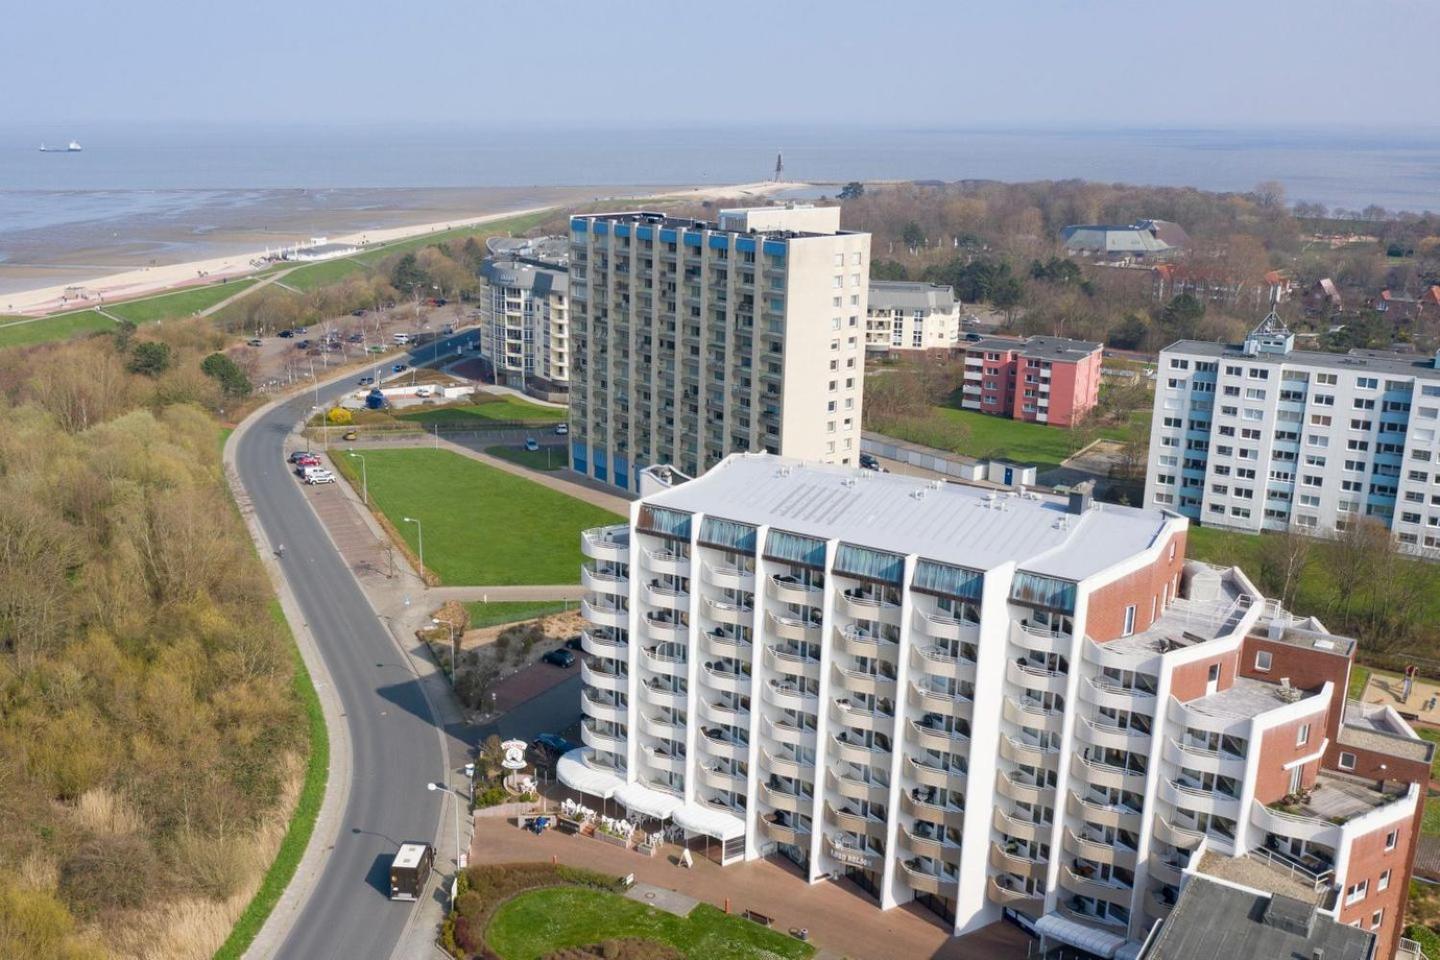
point(1041, 379)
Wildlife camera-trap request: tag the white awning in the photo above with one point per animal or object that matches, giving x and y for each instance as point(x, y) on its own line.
point(652, 803)
point(573, 769)
point(1077, 934)
point(710, 822)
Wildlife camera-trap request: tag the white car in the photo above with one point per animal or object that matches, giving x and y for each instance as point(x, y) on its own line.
point(422, 392)
point(314, 475)
point(561, 429)
point(401, 338)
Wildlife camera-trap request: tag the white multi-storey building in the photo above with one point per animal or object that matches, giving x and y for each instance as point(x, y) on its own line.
point(1262, 436)
point(904, 316)
point(693, 340)
point(982, 702)
point(525, 313)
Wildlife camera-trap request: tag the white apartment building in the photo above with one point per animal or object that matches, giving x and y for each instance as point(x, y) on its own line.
point(1262, 436)
point(525, 312)
point(987, 703)
point(904, 316)
point(693, 340)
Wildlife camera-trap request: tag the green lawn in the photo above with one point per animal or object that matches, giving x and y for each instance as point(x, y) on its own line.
point(505, 409)
point(1000, 438)
point(546, 458)
point(540, 922)
point(172, 306)
point(1359, 677)
point(512, 611)
point(509, 225)
point(59, 327)
point(482, 526)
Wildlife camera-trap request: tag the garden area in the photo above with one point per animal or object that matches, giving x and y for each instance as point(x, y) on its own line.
point(481, 525)
point(538, 911)
point(494, 643)
point(547, 458)
point(486, 410)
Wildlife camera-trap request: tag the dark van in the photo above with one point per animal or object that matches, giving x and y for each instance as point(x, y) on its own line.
point(410, 869)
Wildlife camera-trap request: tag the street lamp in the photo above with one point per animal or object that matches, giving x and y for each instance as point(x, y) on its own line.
point(454, 648)
point(420, 539)
point(432, 786)
point(364, 475)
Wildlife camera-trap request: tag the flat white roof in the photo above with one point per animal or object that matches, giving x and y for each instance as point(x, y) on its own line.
point(409, 854)
point(967, 526)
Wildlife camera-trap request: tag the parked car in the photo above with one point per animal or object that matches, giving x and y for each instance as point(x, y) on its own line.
point(868, 461)
point(306, 460)
point(550, 746)
point(355, 338)
point(449, 329)
point(299, 455)
point(400, 368)
point(422, 391)
point(256, 342)
point(350, 435)
point(401, 338)
point(314, 475)
point(561, 429)
point(303, 345)
point(357, 313)
point(375, 348)
point(560, 658)
point(287, 334)
point(532, 444)
point(573, 643)
point(302, 329)
point(367, 381)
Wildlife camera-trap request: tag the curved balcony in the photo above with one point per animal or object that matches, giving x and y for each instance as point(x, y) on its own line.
point(722, 746)
point(1119, 657)
point(1183, 716)
point(736, 716)
point(861, 607)
point(606, 543)
point(850, 715)
point(1021, 713)
point(925, 774)
point(1166, 872)
point(848, 786)
point(1104, 693)
point(1185, 754)
point(1181, 838)
point(843, 849)
point(660, 696)
point(1037, 679)
point(789, 734)
point(669, 598)
point(1012, 785)
point(723, 646)
point(941, 627)
point(731, 681)
point(1309, 829)
point(718, 779)
point(784, 766)
point(923, 880)
point(1103, 734)
point(933, 813)
point(661, 628)
point(1039, 639)
point(663, 759)
point(793, 628)
point(1100, 889)
point(857, 681)
point(729, 578)
point(604, 612)
point(1020, 751)
point(724, 611)
point(863, 643)
point(603, 583)
point(784, 833)
point(791, 664)
point(1021, 829)
point(601, 710)
point(666, 561)
point(600, 679)
point(858, 752)
point(938, 662)
point(600, 741)
point(1198, 799)
point(790, 590)
point(656, 662)
point(599, 644)
point(854, 822)
point(954, 705)
point(660, 727)
point(789, 696)
point(1104, 775)
point(1021, 866)
point(946, 741)
point(1010, 895)
point(1104, 814)
point(1101, 851)
point(1156, 906)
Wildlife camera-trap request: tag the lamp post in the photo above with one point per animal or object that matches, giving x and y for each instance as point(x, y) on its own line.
point(444, 789)
point(364, 475)
point(420, 539)
point(454, 648)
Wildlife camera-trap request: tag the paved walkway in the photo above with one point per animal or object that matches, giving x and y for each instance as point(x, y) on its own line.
point(843, 921)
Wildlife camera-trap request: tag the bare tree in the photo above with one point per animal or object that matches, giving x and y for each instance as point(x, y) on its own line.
point(1283, 559)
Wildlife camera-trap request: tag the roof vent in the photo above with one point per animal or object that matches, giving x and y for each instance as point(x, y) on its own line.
point(1081, 498)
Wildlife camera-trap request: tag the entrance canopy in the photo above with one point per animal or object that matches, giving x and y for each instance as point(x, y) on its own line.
point(574, 770)
point(652, 803)
point(712, 823)
point(1053, 926)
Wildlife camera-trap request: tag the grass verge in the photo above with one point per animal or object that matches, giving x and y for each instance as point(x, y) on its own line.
point(169, 306)
point(492, 614)
point(540, 922)
point(546, 458)
point(507, 410)
point(302, 821)
point(992, 438)
point(22, 332)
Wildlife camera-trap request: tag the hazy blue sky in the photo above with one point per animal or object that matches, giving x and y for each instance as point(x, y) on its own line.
point(1004, 62)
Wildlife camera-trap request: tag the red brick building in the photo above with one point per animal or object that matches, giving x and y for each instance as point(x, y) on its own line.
point(1050, 380)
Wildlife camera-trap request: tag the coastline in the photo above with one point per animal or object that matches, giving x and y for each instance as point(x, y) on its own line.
point(84, 291)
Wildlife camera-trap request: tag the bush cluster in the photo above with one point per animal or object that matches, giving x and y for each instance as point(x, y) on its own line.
point(625, 948)
point(480, 890)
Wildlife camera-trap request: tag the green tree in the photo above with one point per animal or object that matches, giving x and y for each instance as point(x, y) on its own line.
point(233, 381)
point(150, 358)
point(888, 270)
point(1129, 333)
point(408, 275)
point(1182, 316)
point(853, 190)
point(913, 235)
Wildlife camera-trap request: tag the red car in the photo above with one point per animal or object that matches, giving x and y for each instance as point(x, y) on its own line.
point(308, 460)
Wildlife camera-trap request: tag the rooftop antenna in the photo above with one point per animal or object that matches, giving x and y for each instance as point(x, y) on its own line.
point(779, 166)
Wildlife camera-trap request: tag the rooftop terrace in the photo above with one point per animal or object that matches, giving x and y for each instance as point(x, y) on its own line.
point(1244, 700)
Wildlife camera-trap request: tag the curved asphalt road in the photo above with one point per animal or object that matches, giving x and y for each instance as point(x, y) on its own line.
point(396, 748)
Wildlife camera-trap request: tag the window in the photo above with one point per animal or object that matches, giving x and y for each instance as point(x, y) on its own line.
point(1376, 918)
point(1391, 839)
point(1214, 673)
point(1303, 736)
point(1347, 762)
point(1262, 661)
point(1356, 892)
point(1384, 883)
point(1129, 620)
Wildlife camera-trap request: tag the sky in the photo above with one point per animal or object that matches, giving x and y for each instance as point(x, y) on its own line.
point(1006, 63)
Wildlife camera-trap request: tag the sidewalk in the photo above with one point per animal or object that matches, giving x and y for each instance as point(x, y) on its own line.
point(842, 920)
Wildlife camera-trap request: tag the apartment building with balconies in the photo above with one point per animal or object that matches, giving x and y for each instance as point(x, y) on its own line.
point(992, 704)
point(1049, 380)
point(525, 313)
point(1261, 436)
point(907, 316)
point(695, 339)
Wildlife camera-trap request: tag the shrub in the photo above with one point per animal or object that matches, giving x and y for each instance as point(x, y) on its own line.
point(484, 888)
point(491, 797)
point(339, 417)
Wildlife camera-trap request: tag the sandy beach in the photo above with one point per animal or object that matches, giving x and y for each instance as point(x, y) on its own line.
point(85, 285)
